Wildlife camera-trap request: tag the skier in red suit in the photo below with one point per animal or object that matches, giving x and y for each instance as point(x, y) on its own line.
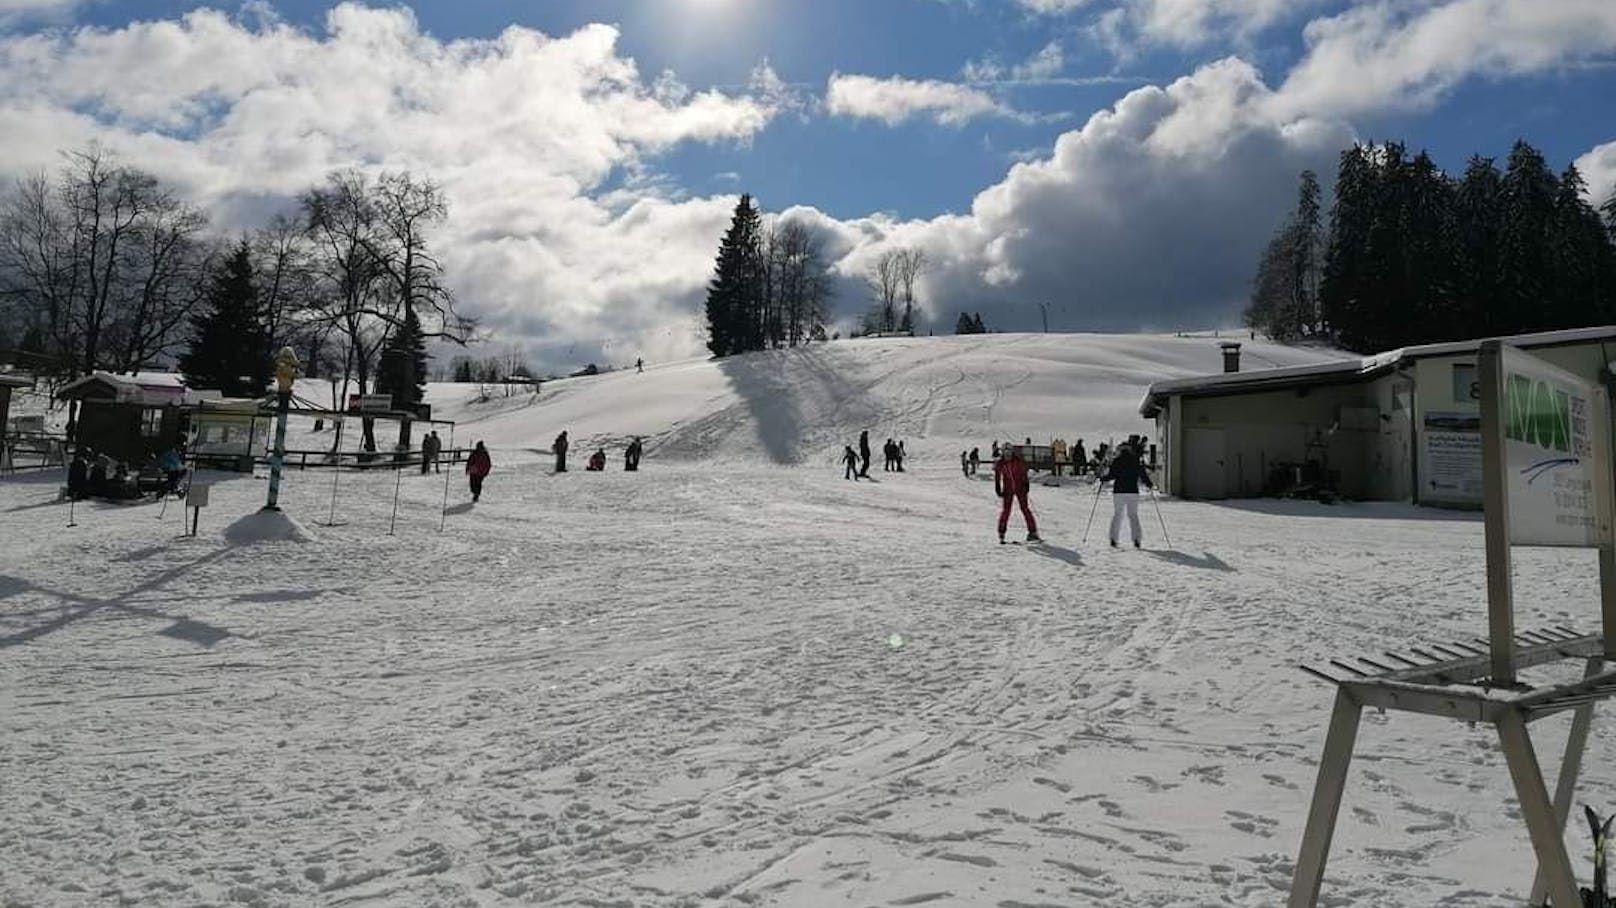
point(1011, 483)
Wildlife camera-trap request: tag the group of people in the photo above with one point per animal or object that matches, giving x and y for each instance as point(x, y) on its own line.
point(91, 475)
point(481, 463)
point(857, 463)
point(1125, 471)
point(431, 449)
point(597, 461)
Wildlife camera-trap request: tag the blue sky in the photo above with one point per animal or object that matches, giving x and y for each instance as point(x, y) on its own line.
point(587, 197)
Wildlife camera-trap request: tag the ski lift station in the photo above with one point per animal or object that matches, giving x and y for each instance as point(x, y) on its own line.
point(1404, 425)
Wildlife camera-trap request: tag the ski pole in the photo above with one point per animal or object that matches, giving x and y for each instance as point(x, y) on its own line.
point(1159, 518)
point(1098, 486)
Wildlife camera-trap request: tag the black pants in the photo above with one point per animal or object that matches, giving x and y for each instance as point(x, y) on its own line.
point(477, 487)
point(561, 462)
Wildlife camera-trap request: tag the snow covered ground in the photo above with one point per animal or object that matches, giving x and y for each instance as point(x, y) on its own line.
point(735, 677)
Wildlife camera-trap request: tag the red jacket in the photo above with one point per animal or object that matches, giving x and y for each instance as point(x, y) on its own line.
point(1010, 477)
point(479, 463)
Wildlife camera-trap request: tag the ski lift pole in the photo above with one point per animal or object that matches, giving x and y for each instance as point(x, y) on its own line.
point(1153, 501)
point(1099, 485)
point(398, 480)
point(336, 472)
point(443, 513)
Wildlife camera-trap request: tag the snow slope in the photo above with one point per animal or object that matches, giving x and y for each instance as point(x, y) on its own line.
point(801, 406)
point(724, 681)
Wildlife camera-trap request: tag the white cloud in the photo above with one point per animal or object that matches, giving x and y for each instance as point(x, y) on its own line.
point(895, 100)
point(1043, 66)
point(1598, 168)
point(1149, 214)
point(561, 234)
point(14, 11)
point(1387, 55)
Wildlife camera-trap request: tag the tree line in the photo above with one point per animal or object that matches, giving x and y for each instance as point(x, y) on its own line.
point(1413, 255)
point(103, 267)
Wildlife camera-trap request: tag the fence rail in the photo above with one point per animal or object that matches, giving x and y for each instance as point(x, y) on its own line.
point(316, 460)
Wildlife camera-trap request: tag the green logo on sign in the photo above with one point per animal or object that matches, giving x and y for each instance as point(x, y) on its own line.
point(1537, 413)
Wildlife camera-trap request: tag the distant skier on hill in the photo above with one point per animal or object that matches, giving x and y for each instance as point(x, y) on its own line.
point(478, 466)
point(965, 465)
point(1011, 484)
point(631, 456)
point(899, 454)
point(1125, 475)
point(976, 459)
point(560, 450)
point(889, 452)
point(850, 458)
point(864, 453)
point(1080, 459)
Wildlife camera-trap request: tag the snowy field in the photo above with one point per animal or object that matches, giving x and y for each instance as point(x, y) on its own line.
point(736, 678)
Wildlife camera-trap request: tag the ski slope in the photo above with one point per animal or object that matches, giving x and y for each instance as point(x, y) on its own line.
point(799, 407)
point(736, 678)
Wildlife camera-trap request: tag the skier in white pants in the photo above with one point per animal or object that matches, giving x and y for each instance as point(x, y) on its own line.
point(1126, 474)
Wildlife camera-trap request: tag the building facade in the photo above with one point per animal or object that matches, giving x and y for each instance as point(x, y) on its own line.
point(1397, 426)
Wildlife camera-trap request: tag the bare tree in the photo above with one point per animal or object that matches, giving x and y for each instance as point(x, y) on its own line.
point(354, 299)
point(802, 279)
point(167, 273)
point(406, 210)
point(885, 283)
point(910, 264)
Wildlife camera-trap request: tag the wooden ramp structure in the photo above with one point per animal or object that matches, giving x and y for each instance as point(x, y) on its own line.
point(1539, 425)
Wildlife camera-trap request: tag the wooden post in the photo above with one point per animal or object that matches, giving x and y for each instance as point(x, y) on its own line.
point(1327, 791)
point(1495, 504)
point(1547, 838)
point(1565, 785)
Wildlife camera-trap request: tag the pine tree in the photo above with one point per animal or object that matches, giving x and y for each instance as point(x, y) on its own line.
point(1341, 288)
point(980, 328)
point(1478, 232)
point(403, 368)
point(735, 297)
point(964, 325)
point(228, 338)
point(1525, 257)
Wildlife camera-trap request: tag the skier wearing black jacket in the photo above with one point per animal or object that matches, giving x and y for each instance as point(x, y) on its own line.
point(1125, 474)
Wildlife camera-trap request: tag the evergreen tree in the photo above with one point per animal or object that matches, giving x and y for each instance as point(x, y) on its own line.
point(1581, 258)
point(735, 295)
point(964, 325)
point(403, 368)
point(1341, 285)
point(1525, 256)
point(980, 328)
point(1284, 294)
point(228, 337)
point(1478, 232)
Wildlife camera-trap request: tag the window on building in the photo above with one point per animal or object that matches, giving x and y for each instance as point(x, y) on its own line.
point(151, 422)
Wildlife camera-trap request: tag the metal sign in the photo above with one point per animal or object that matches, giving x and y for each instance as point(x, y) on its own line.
point(197, 497)
point(1553, 432)
point(367, 403)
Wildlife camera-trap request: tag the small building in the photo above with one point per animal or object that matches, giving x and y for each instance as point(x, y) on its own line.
point(7, 383)
point(131, 418)
point(1404, 425)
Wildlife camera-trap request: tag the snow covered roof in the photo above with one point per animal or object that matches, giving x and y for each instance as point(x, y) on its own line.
point(1352, 369)
point(151, 389)
point(15, 381)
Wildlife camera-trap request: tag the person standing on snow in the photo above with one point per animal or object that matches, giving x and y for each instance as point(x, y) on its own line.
point(1080, 460)
point(1126, 474)
point(965, 465)
point(560, 451)
point(899, 455)
point(478, 466)
point(1011, 484)
point(850, 457)
point(976, 459)
point(631, 455)
point(888, 454)
point(864, 453)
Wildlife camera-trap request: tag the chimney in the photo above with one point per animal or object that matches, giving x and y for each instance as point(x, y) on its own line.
point(1231, 356)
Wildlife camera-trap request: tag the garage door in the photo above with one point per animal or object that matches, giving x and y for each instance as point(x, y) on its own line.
point(1204, 473)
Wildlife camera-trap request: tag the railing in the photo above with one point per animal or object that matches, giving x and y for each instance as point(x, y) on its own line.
point(347, 460)
point(32, 451)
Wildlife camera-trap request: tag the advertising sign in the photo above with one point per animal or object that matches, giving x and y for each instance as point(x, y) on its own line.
point(1555, 441)
point(1453, 457)
point(369, 403)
